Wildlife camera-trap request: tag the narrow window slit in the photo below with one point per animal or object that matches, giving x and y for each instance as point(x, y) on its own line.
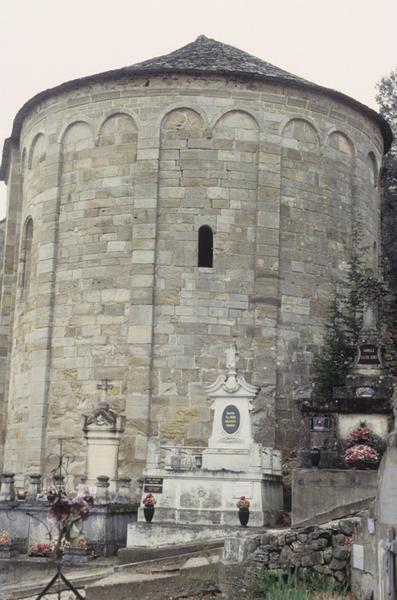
point(205, 247)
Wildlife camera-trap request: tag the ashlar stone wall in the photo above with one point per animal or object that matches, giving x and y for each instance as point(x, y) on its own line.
point(206, 178)
point(107, 192)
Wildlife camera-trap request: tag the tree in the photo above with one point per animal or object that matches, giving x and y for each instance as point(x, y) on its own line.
point(342, 329)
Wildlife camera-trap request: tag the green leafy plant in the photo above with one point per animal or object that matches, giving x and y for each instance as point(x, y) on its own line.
point(289, 586)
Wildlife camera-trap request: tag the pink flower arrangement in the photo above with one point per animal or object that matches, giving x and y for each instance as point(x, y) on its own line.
point(41, 549)
point(363, 446)
point(5, 538)
point(361, 434)
point(63, 508)
point(243, 502)
point(361, 453)
point(149, 500)
point(69, 513)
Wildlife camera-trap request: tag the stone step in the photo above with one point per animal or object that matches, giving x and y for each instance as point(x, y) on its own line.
point(164, 578)
point(136, 555)
point(79, 577)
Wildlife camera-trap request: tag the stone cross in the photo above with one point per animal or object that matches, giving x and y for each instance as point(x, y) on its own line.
point(104, 385)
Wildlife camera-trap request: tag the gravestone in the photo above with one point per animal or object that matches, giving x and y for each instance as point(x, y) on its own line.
point(196, 490)
point(103, 429)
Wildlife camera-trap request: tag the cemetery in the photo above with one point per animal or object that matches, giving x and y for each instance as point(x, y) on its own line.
point(341, 518)
point(197, 384)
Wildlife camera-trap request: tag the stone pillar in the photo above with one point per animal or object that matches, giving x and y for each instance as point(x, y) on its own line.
point(34, 487)
point(124, 490)
point(102, 490)
point(103, 430)
point(7, 490)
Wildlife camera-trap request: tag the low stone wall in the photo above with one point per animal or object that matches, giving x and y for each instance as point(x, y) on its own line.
point(30, 523)
point(321, 550)
point(316, 550)
point(323, 495)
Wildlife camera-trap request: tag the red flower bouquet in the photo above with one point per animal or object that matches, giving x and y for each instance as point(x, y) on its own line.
point(243, 502)
point(149, 500)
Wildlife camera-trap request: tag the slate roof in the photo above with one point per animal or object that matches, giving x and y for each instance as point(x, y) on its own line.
point(204, 56)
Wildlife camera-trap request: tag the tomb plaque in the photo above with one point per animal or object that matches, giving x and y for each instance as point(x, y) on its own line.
point(368, 354)
point(358, 556)
point(365, 392)
point(231, 419)
point(320, 424)
point(153, 485)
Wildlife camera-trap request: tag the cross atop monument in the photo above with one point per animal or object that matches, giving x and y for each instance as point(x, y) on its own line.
point(104, 385)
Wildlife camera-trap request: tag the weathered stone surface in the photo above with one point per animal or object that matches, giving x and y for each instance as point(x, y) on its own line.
point(117, 176)
point(318, 544)
point(340, 552)
point(337, 565)
point(334, 490)
point(318, 552)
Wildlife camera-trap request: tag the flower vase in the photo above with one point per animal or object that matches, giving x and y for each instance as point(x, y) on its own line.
point(243, 515)
point(148, 512)
point(315, 457)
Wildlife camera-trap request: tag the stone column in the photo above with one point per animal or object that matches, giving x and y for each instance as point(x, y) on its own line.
point(102, 490)
point(124, 490)
point(12, 443)
point(103, 430)
point(7, 493)
point(34, 487)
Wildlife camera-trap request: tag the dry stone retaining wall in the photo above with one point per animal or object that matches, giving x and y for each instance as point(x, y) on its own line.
point(323, 551)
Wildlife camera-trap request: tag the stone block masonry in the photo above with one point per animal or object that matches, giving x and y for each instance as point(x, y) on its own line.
point(108, 189)
point(320, 552)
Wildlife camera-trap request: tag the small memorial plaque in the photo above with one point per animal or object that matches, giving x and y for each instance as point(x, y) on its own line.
point(358, 556)
point(231, 419)
point(368, 354)
point(320, 424)
point(153, 485)
point(365, 392)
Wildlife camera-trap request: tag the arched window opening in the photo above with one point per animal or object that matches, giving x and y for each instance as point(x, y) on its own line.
point(205, 246)
point(27, 257)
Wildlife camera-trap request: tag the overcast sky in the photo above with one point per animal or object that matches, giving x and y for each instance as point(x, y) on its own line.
point(344, 44)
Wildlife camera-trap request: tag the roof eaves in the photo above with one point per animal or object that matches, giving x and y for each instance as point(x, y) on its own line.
point(129, 72)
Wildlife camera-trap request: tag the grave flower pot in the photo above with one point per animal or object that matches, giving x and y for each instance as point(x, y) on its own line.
point(244, 515)
point(148, 507)
point(148, 512)
point(315, 457)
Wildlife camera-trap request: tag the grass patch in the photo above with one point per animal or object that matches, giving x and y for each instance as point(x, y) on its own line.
point(270, 586)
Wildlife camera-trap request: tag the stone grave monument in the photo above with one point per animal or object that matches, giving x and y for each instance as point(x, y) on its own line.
point(198, 488)
point(366, 397)
point(103, 429)
point(354, 422)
